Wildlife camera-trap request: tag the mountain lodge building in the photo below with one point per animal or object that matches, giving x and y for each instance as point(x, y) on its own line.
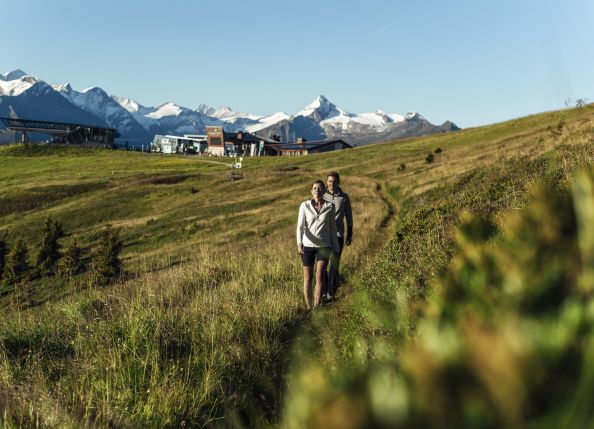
point(218, 142)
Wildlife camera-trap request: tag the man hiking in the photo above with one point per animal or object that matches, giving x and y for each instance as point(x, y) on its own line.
point(342, 209)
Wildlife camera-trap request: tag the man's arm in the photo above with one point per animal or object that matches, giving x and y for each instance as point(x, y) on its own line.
point(333, 233)
point(348, 213)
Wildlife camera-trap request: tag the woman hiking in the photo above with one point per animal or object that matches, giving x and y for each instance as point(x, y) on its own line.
point(316, 239)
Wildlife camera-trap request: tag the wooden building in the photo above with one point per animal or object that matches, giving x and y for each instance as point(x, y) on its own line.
point(223, 143)
point(306, 148)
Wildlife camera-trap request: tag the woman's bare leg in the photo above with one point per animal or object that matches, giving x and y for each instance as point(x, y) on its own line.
point(307, 273)
point(320, 270)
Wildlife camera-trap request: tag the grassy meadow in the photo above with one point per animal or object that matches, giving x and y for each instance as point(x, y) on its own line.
point(206, 326)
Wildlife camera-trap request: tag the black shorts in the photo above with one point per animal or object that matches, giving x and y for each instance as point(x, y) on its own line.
point(312, 254)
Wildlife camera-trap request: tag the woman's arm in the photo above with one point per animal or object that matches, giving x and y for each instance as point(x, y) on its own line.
point(301, 224)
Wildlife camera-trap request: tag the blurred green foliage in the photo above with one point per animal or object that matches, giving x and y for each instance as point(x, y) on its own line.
point(479, 313)
point(507, 338)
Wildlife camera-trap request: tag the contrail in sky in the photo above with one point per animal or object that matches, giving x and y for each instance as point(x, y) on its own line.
point(381, 30)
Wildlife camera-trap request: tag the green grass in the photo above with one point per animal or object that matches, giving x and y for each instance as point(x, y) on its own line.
point(207, 327)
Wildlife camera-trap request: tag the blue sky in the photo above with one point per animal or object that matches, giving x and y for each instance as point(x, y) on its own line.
point(472, 62)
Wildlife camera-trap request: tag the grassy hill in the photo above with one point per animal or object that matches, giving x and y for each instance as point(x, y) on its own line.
point(206, 326)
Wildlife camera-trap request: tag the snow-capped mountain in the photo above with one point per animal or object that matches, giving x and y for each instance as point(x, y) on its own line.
point(321, 119)
point(206, 109)
point(227, 114)
point(29, 98)
point(267, 121)
point(321, 109)
point(169, 118)
point(97, 102)
point(140, 113)
point(17, 86)
point(336, 121)
point(26, 97)
point(13, 75)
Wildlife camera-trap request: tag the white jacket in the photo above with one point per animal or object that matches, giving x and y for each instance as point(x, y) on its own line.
point(317, 230)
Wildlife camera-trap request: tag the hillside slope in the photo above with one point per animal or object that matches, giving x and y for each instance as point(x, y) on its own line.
point(200, 328)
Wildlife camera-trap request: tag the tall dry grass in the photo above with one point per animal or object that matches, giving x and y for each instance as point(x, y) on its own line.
point(203, 342)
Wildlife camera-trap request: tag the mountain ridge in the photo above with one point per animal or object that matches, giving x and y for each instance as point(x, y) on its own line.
point(137, 124)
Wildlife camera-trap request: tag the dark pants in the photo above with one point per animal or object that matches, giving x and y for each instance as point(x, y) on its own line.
point(331, 280)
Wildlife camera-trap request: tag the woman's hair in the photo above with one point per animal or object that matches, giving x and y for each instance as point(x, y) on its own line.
point(319, 182)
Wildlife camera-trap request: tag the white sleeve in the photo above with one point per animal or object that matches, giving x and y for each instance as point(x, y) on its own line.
point(301, 223)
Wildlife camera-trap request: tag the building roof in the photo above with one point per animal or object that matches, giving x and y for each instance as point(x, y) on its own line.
point(312, 145)
point(194, 138)
point(246, 138)
point(51, 127)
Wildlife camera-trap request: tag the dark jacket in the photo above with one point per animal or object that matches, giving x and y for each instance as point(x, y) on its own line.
point(342, 208)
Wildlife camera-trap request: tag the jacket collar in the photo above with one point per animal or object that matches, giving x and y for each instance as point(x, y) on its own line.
point(338, 193)
point(326, 202)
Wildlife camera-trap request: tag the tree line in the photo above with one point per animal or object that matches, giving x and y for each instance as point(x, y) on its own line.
point(19, 264)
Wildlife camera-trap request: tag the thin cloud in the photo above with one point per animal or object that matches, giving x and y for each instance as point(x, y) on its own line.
point(381, 30)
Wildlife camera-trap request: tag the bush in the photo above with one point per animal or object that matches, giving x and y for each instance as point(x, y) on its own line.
point(438, 150)
point(430, 158)
point(402, 167)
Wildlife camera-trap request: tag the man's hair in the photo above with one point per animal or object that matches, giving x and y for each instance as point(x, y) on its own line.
point(335, 175)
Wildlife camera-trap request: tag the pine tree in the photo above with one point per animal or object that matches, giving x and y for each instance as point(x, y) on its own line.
point(71, 262)
point(58, 230)
point(49, 249)
point(107, 263)
point(17, 263)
